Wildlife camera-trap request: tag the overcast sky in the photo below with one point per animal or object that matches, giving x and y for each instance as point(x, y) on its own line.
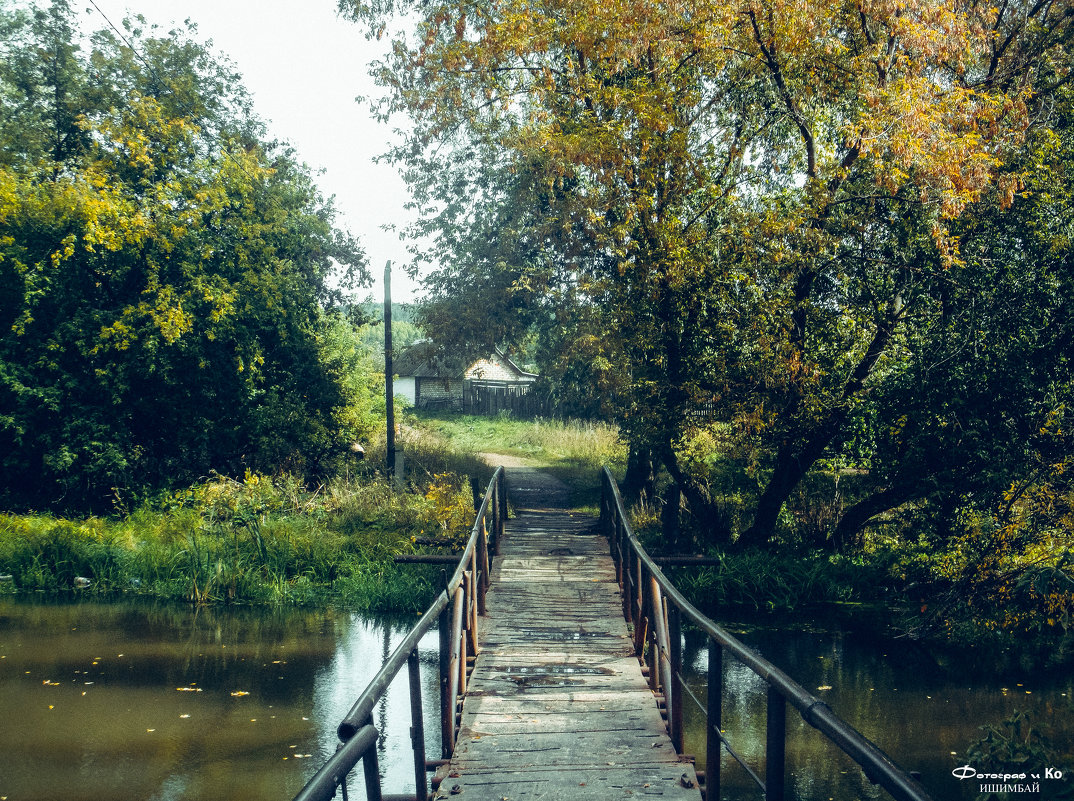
point(304, 67)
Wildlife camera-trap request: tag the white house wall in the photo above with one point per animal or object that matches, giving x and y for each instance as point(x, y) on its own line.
point(403, 387)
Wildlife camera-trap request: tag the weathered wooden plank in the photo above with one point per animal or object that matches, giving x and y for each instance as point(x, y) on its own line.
point(557, 707)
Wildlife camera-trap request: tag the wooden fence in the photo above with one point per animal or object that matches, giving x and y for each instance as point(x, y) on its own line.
point(493, 397)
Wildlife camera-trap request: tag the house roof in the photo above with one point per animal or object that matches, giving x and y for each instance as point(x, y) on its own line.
point(424, 359)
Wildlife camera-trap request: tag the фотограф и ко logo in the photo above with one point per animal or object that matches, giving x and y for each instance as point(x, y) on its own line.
point(1007, 782)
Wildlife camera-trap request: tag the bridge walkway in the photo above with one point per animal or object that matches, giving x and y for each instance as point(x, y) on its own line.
point(556, 706)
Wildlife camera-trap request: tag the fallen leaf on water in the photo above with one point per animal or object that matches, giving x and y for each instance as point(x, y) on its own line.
point(825, 687)
point(239, 693)
point(50, 683)
point(188, 689)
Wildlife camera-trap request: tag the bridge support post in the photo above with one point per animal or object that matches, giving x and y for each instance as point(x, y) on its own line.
point(417, 727)
point(501, 490)
point(371, 768)
point(447, 703)
point(776, 746)
point(714, 722)
point(483, 566)
point(675, 705)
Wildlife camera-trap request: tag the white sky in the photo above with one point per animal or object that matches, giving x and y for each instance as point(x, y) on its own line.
point(304, 66)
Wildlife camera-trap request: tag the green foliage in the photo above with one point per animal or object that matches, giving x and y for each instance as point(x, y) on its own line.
point(164, 275)
point(1017, 746)
point(845, 234)
point(371, 337)
point(768, 582)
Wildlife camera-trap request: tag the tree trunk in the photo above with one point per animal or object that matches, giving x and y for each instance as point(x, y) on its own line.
point(706, 514)
point(640, 478)
point(670, 517)
point(855, 518)
point(791, 466)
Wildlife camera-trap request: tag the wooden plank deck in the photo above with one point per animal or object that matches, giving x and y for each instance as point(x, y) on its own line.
point(557, 707)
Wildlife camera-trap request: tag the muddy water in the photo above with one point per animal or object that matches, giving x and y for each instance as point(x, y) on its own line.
point(120, 702)
point(132, 701)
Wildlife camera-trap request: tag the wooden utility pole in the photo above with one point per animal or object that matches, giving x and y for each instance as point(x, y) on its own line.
point(389, 390)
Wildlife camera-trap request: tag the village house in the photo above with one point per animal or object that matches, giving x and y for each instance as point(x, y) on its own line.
point(427, 378)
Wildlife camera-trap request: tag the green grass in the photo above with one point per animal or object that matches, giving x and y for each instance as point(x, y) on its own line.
point(262, 540)
point(765, 581)
point(572, 451)
point(272, 540)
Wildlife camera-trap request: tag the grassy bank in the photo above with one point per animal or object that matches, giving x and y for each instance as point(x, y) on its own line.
point(273, 540)
point(262, 539)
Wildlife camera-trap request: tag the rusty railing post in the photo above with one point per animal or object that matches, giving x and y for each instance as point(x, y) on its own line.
point(775, 746)
point(447, 702)
point(675, 706)
point(661, 657)
point(714, 722)
point(482, 559)
point(371, 768)
point(417, 727)
point(503, 505)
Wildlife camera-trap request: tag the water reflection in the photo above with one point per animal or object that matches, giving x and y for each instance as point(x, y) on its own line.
point(134, 701)
point(922, 715)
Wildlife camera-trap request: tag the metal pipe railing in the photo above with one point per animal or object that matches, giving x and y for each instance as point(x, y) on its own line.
point(455, 611)
point(651, 602)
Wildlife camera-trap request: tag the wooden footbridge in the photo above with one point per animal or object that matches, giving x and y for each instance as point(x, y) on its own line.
point(560, 674)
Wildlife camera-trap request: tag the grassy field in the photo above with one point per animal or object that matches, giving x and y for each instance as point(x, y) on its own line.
point(572, 451)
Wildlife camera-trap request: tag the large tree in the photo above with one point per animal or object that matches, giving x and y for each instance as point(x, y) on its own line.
point(165, 272)
point(760, 197)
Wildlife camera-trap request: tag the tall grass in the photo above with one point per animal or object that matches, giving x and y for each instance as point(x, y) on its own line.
point(261, 540)
point(545, 442)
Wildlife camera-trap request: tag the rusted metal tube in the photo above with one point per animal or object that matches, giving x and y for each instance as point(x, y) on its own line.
point(675, 641)
point(417, 727)
point(371, 769)
point(775, 746)
point(483, 566)
point(333, 772)
point(447, 714)
point(662, 646)
point(714, 722)
point(877, 765)
point(456, 649)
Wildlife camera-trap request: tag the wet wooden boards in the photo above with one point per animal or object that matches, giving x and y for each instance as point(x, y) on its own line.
point(556, 707)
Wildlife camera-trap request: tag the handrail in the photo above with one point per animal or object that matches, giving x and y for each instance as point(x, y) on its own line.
point(656, 608)
point(456, 611)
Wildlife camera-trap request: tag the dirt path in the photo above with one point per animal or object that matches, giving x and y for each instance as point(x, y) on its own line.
point(529, 487)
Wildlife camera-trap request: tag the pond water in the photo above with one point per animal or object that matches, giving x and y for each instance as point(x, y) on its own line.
point(924, 715)
point(165, 703)
point(133, 701)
